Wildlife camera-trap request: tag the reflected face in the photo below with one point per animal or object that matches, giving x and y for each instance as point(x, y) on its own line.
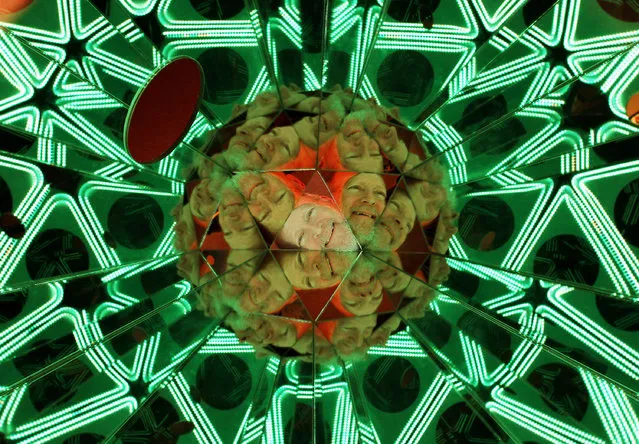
point(310, 270)
point(316, 130)
point(363, 201)
point(396, 222)
point(361, 291)
point(357, 150)
point(238, 226)
point(317, 227)
point(184, 230)
point(201, 201)
point(309, 105)
point(428, 198)
point(351, 333)
point(265, 103)
point(241, 265)
point(273, 149)
point(247, 134)
point(263, 331)
point(269, 200)
point(392, 279)
point(267, 290)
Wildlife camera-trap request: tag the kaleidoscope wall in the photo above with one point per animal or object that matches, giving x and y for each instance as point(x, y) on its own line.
point(155, 302)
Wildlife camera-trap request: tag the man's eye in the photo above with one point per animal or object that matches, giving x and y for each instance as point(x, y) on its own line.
point(280, 196)
point(309, 214)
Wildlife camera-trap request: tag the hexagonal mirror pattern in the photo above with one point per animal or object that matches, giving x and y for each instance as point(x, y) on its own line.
point(331, 221)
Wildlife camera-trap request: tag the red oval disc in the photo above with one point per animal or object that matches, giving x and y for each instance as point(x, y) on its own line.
point(632, 109)
point(13, 6)
point(163, 111)
point(624, 10)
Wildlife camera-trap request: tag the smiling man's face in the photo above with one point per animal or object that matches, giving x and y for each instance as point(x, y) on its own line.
point(395, 223)
point(273, 149)
point(363, 201)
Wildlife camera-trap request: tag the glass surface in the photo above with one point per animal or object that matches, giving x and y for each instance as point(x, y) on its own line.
point(391, 221)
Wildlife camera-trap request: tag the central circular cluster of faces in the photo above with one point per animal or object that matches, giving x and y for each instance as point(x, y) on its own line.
point(296, 216)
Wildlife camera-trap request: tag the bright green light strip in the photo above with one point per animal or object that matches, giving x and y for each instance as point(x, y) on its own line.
point(77, 415)
point(149, 363)
point(544, 190)
point(463, 77)
point(620, 81)
point(225, 341)
point(132, 270)
point(511, 281)
point(275, 429)
point(575, 161)
point(28, 206)
point(37, 223)
point(139, 7)
point(368, 89)
point(356, 56)
point(506, 300)
point(159, 377)
point(339, 30)
point(17, 57)
point(177, 47)
point(290, 24)
point(261, 84)
point(425, 412)
point(253, 429)
point(77, 420)
point(371, 21)
point(89, 136)
point(9, 405)
point(537, 422)
point(204, 430)
point(622, 404)
point(169, 22)
point(246, 425)
point(18, 334)
point(329, 373)
point(591, 334)
point(29, 115)
point(399, 344)
point(86, 195)
point(469, 359)
point(619, 249)
point(608, 409)
point(574, 45)
point(24, 89)
point(114, 171)
point(557, 28)
point(310, 79)
point(60, 37)
point(166, 245)
point(505, 10)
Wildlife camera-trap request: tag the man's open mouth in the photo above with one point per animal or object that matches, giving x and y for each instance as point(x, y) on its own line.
point(330, 236)
point(364, 213)
point(389, 230)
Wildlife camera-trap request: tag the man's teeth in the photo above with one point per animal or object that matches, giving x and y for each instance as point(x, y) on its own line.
point(365, 214)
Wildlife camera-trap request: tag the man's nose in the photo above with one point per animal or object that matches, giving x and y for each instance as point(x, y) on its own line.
point(368, 197)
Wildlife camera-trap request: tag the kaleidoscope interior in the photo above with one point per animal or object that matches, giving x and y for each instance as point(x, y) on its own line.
point(319, 221)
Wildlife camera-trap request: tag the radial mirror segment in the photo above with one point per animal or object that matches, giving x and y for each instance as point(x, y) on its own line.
point(373, 221)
